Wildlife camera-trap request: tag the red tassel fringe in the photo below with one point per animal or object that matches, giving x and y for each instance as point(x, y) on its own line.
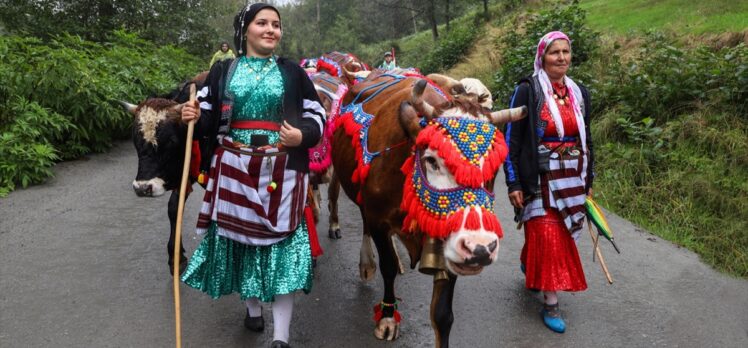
point(327, 67)
point(473, 220)
point(353, 129)
point(313, 239)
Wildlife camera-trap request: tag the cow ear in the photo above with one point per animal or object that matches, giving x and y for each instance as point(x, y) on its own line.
point(409, 120)
point(508, 115)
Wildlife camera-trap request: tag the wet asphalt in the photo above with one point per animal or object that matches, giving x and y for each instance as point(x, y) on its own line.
point(83, 264)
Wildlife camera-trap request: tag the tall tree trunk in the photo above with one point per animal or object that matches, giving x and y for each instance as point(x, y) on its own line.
point(485, 7)
point(446, 12)
point(415, 25)
point(431, 12)
point(318, 39)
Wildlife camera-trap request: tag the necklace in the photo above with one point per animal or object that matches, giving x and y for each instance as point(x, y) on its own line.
point(562, 100)
point(262, 71)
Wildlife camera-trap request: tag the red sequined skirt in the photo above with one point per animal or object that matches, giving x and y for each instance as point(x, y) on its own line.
point(550, 255)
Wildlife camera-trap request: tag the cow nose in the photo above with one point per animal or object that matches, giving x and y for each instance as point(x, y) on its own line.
point(481, 256)
point(143, 190)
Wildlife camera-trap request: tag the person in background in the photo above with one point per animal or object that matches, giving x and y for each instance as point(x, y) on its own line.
point(549, 172)
point(388, 63)
point(260, 115)
point(223, 54)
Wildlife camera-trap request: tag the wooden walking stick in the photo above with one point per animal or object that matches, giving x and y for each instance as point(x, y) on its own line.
point(599, 254)
point(180, 216)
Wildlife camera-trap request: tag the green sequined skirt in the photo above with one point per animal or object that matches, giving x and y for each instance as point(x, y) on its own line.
point(221, 266)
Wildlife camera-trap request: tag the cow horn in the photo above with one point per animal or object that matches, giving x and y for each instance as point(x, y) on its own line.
point(416, 99)
point(508, 115)
point(350, 77)
point(128, 107)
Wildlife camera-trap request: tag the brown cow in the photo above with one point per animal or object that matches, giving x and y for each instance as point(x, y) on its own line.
point(464, 245)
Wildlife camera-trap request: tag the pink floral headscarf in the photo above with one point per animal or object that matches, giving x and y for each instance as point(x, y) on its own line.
point(575, 97)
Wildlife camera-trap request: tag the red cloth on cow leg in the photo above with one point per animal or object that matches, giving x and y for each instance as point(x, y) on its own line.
point(313, 239)
point(381, 307)
point(550, 255)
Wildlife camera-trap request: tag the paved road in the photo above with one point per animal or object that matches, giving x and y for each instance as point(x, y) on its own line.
point(83, 264)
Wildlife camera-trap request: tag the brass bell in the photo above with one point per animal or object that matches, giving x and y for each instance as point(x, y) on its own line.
point(432, 257)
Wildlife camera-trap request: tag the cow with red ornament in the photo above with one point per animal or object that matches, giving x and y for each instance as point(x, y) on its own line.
point(420, 164)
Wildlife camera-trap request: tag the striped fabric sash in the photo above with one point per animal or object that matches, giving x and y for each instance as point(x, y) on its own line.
point(566, 187)
point(240, 199)
point(562, 189)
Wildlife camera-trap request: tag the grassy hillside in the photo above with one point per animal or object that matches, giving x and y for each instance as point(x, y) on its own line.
point(684, 16)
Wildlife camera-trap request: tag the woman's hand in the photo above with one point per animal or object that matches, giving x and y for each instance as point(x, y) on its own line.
point(290, 136)
point(517, 199)
point(190, 112)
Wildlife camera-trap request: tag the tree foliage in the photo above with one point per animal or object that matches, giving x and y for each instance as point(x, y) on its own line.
point(185, 23)
point(312, 27)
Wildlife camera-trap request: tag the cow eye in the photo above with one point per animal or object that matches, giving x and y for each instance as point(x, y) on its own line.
point(432, 162)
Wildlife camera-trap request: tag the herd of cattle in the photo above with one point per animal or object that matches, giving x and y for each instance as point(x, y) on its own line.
point(390, 135)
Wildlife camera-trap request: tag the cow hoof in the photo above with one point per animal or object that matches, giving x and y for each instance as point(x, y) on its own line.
point(367, 271)
point(334, 233)
point(387, 329)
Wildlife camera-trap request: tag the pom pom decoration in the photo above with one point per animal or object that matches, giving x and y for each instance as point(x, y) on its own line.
point(272, 186)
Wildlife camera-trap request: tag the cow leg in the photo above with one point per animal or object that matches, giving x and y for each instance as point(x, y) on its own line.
point(172, 210)
point(388, 328)
point(333, 192)
point(316, 199)
point(366, 265)
point(441, 309)
point(400, 268)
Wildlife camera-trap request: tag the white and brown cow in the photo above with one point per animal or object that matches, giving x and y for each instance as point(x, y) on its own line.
point(159, 137)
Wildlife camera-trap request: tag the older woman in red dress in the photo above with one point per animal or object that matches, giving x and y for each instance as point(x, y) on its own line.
point(549, 172)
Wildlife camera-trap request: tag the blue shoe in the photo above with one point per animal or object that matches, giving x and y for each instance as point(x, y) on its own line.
point(552, 318)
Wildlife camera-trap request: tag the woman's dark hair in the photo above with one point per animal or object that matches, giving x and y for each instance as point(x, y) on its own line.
point(242, 20)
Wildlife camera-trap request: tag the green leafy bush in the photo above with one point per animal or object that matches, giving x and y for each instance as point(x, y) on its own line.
point(665, 81)
point(27, 151)
point(450, 49)
point(519, 47)
point(74, 84)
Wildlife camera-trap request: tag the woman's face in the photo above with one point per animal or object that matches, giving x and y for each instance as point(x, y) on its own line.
point(557, 59)
point(263, 33)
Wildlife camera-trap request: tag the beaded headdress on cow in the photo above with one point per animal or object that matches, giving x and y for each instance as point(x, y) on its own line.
point(473, 151)
point(242, 20)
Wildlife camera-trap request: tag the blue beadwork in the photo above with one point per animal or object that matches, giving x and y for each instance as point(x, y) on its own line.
point(445, 202)
point(471, 137)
